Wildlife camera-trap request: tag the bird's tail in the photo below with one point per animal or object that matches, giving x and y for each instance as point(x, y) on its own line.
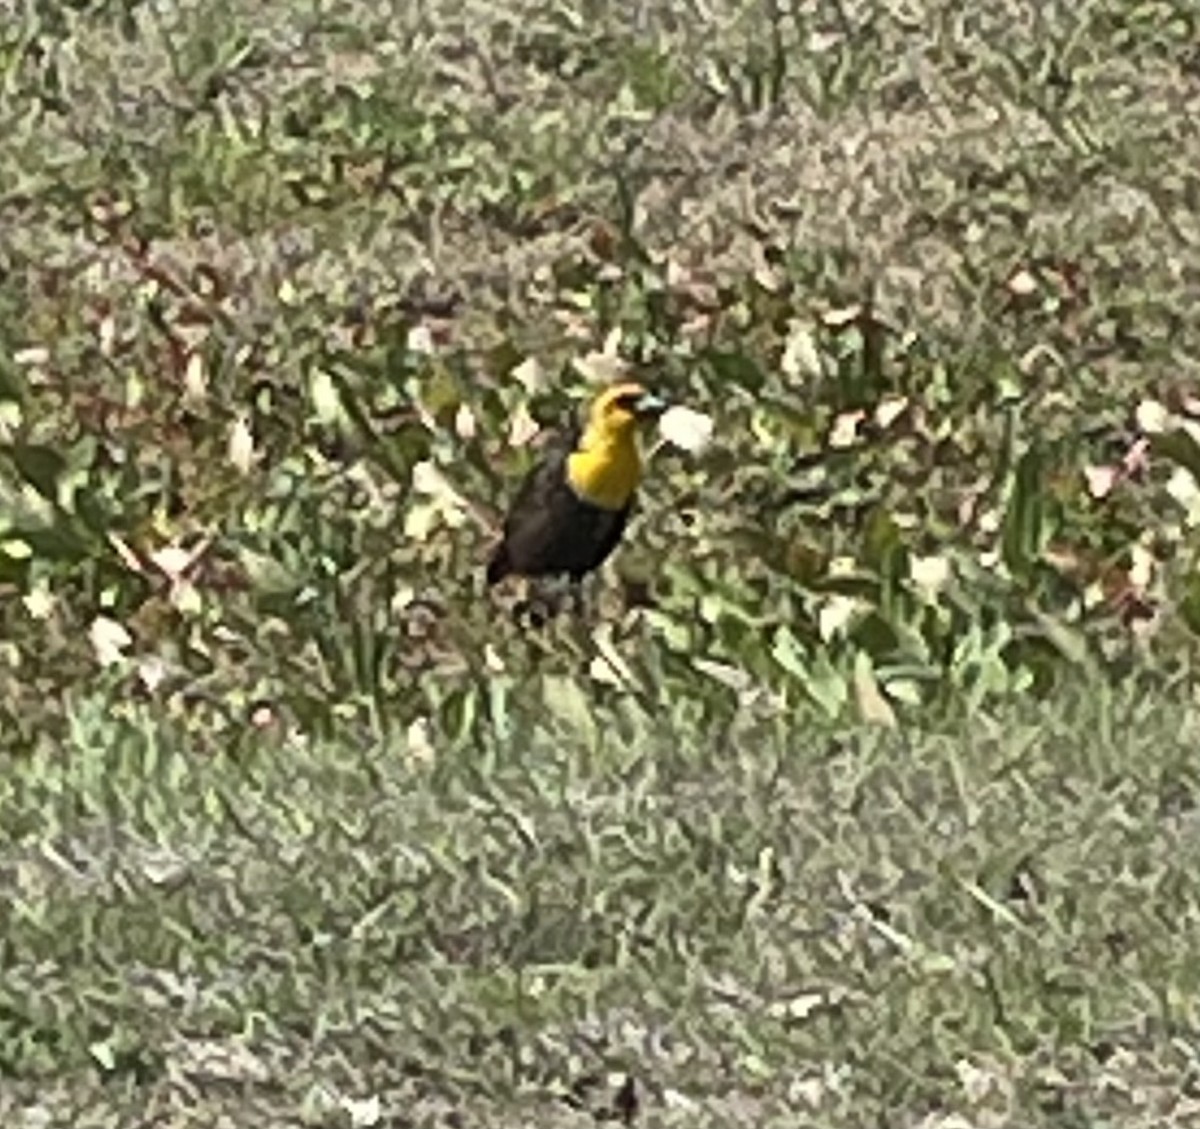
point(498, 565)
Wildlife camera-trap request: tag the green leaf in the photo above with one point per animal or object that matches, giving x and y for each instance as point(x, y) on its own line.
point(881, 540)
point(12, 386)
point(565, 698)
point(1024, 529)
point(40, 466)
point(873, 707)
point(786, 651)
point(458, 713)
point(826, 685)
point(1189, 604)
point(737, 368)
point(269, 577)
point(1180, 447)
point(58, 542)
point(1069, 642)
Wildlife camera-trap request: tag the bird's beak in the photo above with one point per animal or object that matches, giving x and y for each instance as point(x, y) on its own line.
point(650, 406)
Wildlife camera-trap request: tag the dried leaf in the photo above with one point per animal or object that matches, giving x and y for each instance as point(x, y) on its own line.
point(195, 380)
point(800, 359)
point(39, 601)
point(522, 427)
point(1152, 417)
point(420, 340)
point(530, 375)
point(734, 677)
point(839, 319)
point(1101, 480)
point(174, 561)
point(930, 574)
point(608, 666)
point(32, 357)
point(835, 615)
point(241, 453)
point(326, 400)
point(365, 1113)
point(464, 422)
point(844, 432)
point(1022, 283)
point(890, 410)
point(1182, 487)
point(419, 742)
point(686, 428)
point(872, 705)
point(600, 368)
point(109, 640)
point(445, 506)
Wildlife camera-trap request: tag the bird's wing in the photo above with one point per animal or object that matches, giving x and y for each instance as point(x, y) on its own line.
point(541, 483)
point(612, 531)
point(535, 510)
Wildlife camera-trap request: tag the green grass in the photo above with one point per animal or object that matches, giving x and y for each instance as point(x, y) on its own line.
point(864, 799)
point(780, 922)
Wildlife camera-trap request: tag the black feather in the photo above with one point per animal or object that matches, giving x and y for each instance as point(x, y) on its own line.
point(549, 529)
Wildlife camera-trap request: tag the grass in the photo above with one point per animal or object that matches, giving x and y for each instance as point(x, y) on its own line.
point(865, 799)
point(832, 923)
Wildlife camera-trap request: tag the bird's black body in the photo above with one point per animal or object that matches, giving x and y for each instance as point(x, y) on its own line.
point(550, 530)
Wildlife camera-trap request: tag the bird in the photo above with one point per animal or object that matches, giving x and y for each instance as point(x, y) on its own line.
point(570, 512)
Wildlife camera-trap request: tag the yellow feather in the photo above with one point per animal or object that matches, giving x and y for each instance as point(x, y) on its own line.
point(606, 468)
point(606, 472)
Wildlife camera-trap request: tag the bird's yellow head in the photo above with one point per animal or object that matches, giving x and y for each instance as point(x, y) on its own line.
point(618, 410)
point(607, 467)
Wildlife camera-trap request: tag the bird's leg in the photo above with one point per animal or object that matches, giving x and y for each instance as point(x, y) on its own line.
point(524, 608)
point(535, 607)
point(524, 611)
point(538, 612)
point(553, 593)
point(579, 603)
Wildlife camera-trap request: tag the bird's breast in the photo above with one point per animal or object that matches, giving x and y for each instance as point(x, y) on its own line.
point(606, 477)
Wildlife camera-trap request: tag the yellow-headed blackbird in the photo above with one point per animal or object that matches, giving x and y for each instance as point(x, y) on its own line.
point(571, 510)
